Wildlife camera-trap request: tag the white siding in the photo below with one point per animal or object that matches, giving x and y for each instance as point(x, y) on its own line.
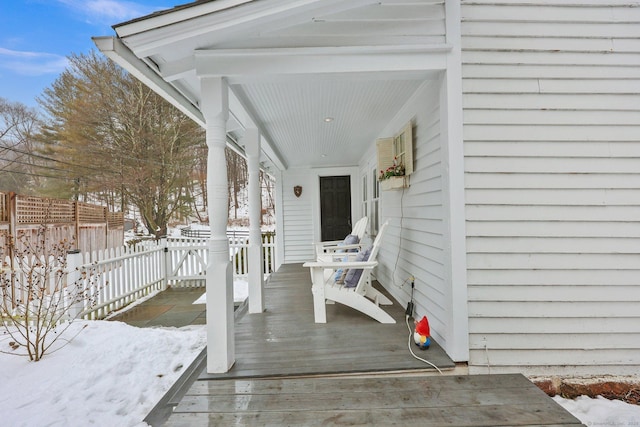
point(551, 93)
point(297, 216)
point(413, 245)
point(301, 215)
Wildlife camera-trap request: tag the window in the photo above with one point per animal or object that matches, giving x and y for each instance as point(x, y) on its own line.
point(370, 198)
point(403, 148)
point(374, 219)
point(365, 196)
point(398, 148)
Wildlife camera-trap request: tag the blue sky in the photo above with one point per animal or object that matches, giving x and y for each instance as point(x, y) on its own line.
point(36, 36)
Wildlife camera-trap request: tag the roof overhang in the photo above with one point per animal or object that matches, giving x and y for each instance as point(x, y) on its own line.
point(280, 61)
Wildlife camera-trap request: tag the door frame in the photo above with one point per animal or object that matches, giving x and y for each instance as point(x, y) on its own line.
point(353, 173)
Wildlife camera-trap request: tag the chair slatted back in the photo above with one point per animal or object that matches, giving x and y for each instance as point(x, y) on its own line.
point(365, 277)
point(360, 227)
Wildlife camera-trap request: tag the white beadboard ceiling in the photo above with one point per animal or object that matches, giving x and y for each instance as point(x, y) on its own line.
point(292, 116)
point(290, 109)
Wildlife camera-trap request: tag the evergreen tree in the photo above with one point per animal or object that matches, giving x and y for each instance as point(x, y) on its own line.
point(119, 140)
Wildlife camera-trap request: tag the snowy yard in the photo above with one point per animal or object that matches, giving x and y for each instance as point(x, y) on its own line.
point(111, 374)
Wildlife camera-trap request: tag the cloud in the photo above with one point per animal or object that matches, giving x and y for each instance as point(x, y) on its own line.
point(108, 11)
point(32, 63)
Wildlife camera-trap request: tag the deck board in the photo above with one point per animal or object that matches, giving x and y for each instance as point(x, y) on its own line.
point(479, 400)
point(351, 371)
point(285, 341)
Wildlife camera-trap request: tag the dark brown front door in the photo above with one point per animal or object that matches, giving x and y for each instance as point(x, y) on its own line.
point(335, 207)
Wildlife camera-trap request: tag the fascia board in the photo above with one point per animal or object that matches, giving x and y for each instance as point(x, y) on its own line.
point(169, 17)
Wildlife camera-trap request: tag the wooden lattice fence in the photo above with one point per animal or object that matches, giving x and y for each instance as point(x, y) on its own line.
point(90, 227)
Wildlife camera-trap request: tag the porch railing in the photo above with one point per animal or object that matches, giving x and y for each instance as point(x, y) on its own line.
point(118, 277)
point(175, 261)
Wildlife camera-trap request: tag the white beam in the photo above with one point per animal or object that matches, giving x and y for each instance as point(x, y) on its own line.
point(335, 76)
point(250, 63)
point(220, 317)
point(178, 69)
point(251, 142)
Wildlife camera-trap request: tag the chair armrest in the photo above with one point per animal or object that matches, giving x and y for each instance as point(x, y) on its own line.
point(342, 247)
point(341, 264)
point(329, 243)
point(336, 257)
point(321, 247)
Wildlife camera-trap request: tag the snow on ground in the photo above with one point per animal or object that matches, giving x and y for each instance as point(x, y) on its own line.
point(111, 374)
point(240, 292)
point(601, 411)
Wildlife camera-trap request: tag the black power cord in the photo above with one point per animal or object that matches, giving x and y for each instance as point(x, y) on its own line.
point(411, 305)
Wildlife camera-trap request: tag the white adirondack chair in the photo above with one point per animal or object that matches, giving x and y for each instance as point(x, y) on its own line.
point(363, 297)
point(328, 248)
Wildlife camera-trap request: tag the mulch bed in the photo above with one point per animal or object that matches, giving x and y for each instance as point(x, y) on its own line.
point(627, 390)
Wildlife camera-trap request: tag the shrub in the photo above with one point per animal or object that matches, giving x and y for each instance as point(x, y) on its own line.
point(38, 301)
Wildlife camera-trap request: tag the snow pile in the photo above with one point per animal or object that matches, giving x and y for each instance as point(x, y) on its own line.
point(601, 411)
point(111, 374)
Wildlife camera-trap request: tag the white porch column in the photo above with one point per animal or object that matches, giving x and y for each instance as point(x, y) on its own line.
point(251, 142)
point(453, 188)
point(220, 328)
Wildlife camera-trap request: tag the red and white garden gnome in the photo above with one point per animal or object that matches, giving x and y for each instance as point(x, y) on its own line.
point(422, 333)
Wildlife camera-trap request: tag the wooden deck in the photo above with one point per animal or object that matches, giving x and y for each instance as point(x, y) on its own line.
point(284, 341)
point(352, 370)
point(498, 400)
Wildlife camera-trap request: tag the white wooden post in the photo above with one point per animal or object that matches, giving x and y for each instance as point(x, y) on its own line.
point(166, 262)
point(453, 188)
point(220, 328)
point(251, 142)
point(317, 290)
point(74, 261)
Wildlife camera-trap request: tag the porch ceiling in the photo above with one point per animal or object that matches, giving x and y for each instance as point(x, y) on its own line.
point(279, 58)
point(293, 113)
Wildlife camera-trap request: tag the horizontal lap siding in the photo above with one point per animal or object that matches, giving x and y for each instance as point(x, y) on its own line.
point(414, 241)
point(551, 96)
point(297, 216)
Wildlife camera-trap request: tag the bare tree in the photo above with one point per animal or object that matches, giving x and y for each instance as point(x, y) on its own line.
point(199, 196)
point(121, 138)
point(236, 180)
point(268, 202)
point(20, 167)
